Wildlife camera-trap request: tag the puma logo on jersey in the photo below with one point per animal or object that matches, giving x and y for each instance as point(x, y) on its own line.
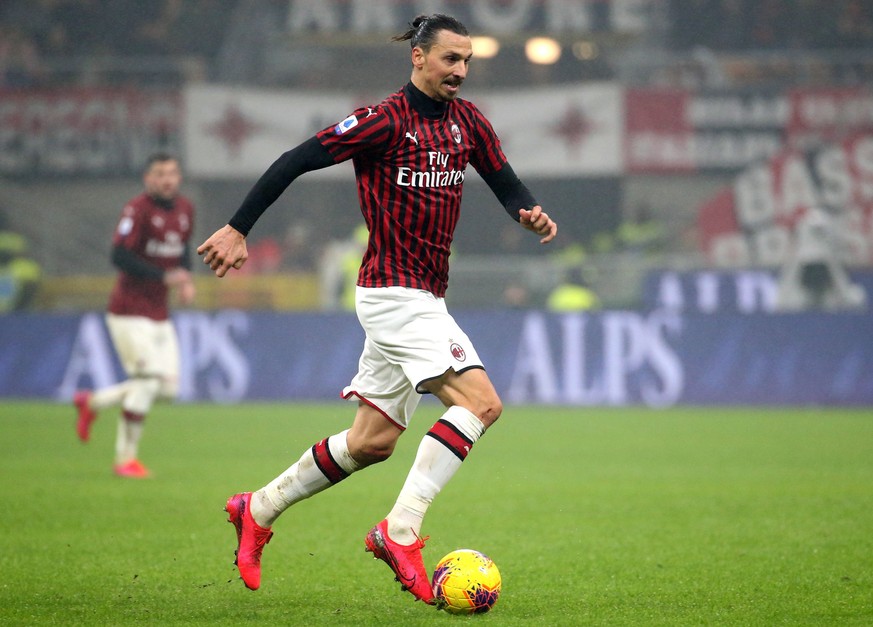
point(413, 137)
point(370, 111)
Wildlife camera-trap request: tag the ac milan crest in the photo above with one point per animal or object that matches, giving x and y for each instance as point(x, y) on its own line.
point(456, 133)
point(458, 352)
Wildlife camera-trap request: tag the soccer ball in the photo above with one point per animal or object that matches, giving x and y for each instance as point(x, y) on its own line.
point(466, 582)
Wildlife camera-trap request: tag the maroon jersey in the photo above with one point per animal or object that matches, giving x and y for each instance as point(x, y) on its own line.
point(159, 236)
point(410, 170)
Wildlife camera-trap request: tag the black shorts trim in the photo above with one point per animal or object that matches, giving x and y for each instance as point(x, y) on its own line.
point(422, 391)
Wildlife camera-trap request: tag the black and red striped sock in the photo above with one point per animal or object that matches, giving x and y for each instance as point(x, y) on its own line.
point(439, 456)
point(324, 464)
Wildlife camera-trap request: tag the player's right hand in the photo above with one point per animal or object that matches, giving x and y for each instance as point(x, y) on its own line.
point(225, 249)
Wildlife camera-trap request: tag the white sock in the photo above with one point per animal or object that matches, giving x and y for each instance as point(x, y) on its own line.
point(439, 456)
point(328, 462)
point(129, 432)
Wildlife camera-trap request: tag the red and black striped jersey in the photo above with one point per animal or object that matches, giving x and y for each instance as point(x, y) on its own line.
point(410, 166)
point(159, 236)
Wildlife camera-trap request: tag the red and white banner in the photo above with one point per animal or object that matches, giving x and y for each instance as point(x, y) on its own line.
point(237, 133)
point(82, 131)
point(828, 114)
point(752, 222)
point(553, 132)
point(559, 132)
point(590, 130)
point(675, 131)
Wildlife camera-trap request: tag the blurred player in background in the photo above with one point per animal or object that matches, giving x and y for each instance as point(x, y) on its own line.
point(410, 154)
point(150, 248)
point(814, 273)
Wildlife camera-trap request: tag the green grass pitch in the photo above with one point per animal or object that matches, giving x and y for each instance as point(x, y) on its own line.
point(594, 517)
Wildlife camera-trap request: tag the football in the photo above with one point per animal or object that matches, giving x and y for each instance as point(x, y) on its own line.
point(466, 582)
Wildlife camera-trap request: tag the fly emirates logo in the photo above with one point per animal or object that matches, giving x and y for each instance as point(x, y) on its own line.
point(172, 246)
point(435, 176)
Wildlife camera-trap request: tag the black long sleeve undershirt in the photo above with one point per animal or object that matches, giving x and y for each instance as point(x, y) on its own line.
point(128, 261)
point(308, 156)
point(510, 191)
point(311, 155)
point(185, 259)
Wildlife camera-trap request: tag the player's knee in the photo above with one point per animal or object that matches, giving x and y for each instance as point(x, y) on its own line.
point(372, 451)
point(142, 392)
point(488, 410)
point(369, 447)
point(169, 389)
point(491, 414)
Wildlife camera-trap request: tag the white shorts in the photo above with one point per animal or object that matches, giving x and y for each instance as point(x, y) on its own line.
point(145, 347)
point(411, 338)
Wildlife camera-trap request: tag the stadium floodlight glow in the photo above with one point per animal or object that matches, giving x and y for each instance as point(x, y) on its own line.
point(585, 50)
point(485, 47)
point(542, 50)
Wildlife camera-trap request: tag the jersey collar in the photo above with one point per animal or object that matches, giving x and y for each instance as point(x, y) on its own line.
point(425, 105)
point(166, 205)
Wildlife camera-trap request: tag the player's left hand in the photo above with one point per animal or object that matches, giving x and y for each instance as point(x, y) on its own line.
point(539, 222)
point(181, 280)
point(186, 292)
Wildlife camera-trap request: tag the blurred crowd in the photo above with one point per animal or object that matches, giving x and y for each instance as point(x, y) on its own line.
point(721, 44)
point(42, 40)
point(772, 24)
point(62, 41)
point(20, 275)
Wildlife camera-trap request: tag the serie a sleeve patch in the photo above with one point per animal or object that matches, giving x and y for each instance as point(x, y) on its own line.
point(349, 123)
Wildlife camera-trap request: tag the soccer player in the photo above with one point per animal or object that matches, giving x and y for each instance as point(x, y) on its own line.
point(410, 154)
point(151, 250)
